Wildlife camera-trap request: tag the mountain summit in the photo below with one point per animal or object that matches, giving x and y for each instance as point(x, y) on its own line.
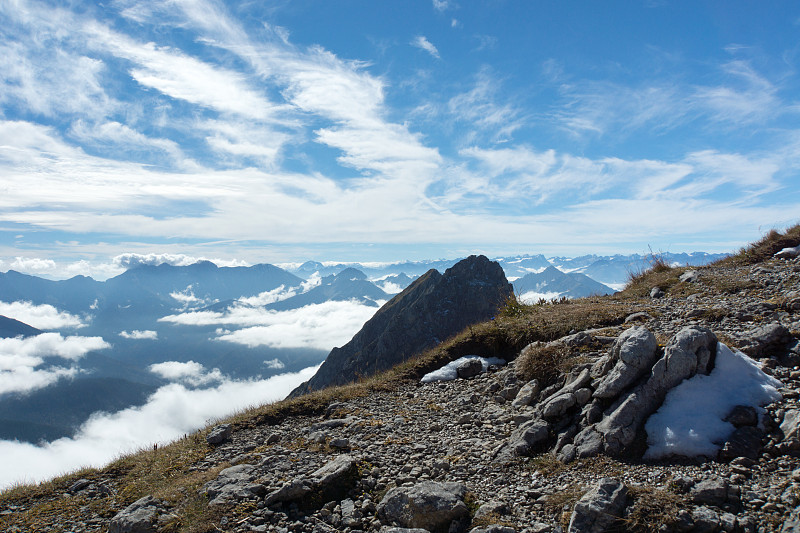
point(433, 308)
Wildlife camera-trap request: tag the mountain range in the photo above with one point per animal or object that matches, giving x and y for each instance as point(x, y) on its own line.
point(192, 314)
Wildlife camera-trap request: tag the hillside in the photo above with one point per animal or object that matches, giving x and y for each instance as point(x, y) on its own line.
point(446, 455)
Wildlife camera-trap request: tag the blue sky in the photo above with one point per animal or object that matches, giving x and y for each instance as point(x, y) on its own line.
point(376, 131)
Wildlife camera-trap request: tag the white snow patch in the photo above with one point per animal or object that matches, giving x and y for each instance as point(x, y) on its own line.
point(690, 422)
point(448, 372)
point(789, 252)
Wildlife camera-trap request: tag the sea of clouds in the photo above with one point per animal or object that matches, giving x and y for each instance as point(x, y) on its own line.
point(171, 412)
point(195, 396)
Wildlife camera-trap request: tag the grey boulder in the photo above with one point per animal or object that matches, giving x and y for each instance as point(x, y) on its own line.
point(428, 505)
point(219, 434)
point(689, 352)
point(633, 354)
point(598, 509)
point(142, 516)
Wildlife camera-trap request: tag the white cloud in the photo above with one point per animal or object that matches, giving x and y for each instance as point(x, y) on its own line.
point(274, 364)
point(21, 359)
point(267, 297)
point(187, 298)
point(171, 412)
point(126, 140)
point(183, 77)
point(422, 42)
point(389, 287)
point(753, 99)
point(47, 79)
point(313, 280)
point(321, 326)
point(189, 373)
point(42, 316)
point(131, 260)
point(139, 334)
point(32, 264)
point(532, 297)
point(441, 5)
point(482, 109)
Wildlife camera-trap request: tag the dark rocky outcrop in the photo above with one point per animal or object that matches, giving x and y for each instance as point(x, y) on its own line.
point(433, 308)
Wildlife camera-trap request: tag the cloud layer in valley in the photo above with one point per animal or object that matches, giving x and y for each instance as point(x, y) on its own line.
point(31, 363)
point(172, 411)
point(320, 326)
point(42, 316)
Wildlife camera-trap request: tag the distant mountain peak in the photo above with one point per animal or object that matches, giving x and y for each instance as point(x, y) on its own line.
point(431, 309)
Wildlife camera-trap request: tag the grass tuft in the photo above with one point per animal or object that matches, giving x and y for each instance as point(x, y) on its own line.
point(766, 247)
point(545, 362)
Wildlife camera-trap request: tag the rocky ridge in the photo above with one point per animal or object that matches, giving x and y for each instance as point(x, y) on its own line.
point(446, 456)
point(433, 308)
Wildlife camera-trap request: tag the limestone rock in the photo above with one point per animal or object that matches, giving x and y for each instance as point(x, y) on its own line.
point(745, 441)
point(704, 520)
point(687, 353)
point(527, 394)
point(690, 276)
point(230, 485)
point(790, 426)
point(770, 339)
point(656, 293)
point(334, 477)
point(633, 355)
point(139, 517)
point(469, 368)
point(711, 491)
point(529, 436)
point(335, 471)
point(219, 434)
point(598, 509)
point(429, 505)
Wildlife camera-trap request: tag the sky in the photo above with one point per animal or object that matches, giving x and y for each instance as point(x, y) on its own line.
point(247, 132)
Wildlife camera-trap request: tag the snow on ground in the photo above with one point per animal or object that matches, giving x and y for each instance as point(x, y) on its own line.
point(448, 372)
point(690, 422)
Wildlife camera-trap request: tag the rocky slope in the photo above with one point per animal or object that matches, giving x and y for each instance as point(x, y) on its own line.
point(447, 456)
point(433, 308)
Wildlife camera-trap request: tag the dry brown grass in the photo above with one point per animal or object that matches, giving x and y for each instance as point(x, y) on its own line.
point(766, 247)
point(560, 504)
point(545, 363)
point(650, 510)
